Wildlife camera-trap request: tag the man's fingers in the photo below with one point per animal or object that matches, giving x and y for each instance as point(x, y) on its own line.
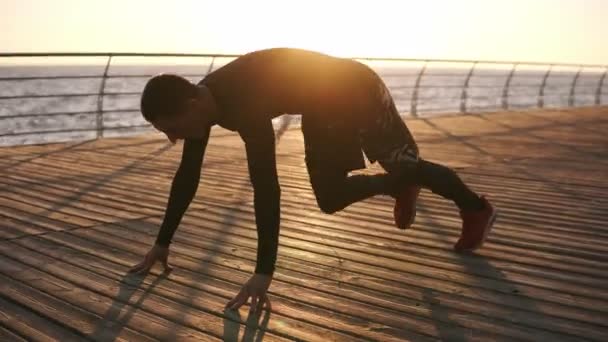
point(261, 303)
point(234, 300)
point(166, 265)
point(239, 303)
point(146, 268)
point(254, 301)
point(229, 304)
point(137, 267)
point(239, 300)
point(264, 302)
point(267, 303)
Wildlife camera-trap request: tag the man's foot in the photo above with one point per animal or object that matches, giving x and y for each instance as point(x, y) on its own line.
point(405, 207)
point(475, 227)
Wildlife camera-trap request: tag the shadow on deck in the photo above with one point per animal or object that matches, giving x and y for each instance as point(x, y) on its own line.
point(75, 216)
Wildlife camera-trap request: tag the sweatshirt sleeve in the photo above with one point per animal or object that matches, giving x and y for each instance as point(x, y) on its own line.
point(261, 160)
point(184, 187)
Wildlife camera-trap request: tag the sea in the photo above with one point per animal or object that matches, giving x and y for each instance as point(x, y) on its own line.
point(46, 100)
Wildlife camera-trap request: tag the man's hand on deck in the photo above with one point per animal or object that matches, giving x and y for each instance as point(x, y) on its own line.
point(256, 288)
point(156, 253)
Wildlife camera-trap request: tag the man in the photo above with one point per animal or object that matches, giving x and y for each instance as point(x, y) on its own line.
point(346, 111)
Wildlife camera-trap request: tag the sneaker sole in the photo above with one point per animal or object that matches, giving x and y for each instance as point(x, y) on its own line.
point(486, 231)
point(413, 210)
point(409, 224)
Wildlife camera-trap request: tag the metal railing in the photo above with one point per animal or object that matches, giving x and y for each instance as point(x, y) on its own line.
point(17, 127)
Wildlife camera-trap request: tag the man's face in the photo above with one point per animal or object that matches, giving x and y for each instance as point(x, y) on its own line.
point(187, 123)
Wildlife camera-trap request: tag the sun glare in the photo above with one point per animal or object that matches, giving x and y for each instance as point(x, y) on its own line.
point(362, 28)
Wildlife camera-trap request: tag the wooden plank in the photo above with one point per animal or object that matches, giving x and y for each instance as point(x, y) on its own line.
point(323, 240)
point(317, 270)
point(32, 326)
point(297, 265)
point(52, 308)
point(303, 252)
point(34, 210)
point(204, 307)
point(7, 335)
point(541, 270)
point(36, 223)
point(70, 208)
point(286, 179)
point(544, 238)
point(308, 218)
point(241, 267)
point(112, 320)
point(329, 230)
point(80, 199)
point(515, 198)
point(11, 228)
point(334, 315)
point(364, 243)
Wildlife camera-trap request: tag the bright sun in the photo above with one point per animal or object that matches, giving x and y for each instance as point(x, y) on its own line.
point(353, 28)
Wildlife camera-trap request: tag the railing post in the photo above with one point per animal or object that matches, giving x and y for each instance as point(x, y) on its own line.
point(541, 91)
point(414, 101)
point(505, 89)
point(600, 85)
point(210, 66)
point(572, 93)
point(102, 89)
point(465, 87)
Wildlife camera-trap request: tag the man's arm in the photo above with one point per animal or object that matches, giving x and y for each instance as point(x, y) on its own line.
point(183, 188)
point(260, 147)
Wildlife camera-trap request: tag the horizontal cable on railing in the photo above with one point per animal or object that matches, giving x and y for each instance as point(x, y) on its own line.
point(52, 77)
point(30, 78)
point(92, 130)
point(47, 114)
point(516, 83)
point(45, 96)
point(215, 55)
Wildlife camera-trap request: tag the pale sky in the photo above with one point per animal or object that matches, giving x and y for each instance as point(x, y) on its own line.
point(571, 31)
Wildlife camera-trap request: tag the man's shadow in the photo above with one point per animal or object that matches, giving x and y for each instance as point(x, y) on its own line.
point(254, 329)
point(114, 320)
point(481, 270)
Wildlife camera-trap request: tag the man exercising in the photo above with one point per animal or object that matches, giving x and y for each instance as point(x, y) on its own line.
point(347, 112)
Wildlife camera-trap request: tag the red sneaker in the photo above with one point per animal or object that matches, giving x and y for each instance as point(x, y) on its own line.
point(405, 207)
point(475, 227)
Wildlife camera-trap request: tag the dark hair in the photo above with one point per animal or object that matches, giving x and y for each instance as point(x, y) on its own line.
point(165, 94)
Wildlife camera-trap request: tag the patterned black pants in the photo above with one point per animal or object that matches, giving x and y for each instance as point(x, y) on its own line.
point(386, 140)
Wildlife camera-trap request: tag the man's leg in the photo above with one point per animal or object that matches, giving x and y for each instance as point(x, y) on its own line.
point(332, 149)
point(477, 214)
point(387, 140)
point(335, 190)
point(439, 179)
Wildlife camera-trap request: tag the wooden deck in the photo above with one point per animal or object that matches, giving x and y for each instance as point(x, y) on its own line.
point(74, 217)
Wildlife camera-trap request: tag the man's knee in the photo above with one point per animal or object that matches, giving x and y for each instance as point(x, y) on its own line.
point(328, 204)
point(327, 192)
point(436, 172)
